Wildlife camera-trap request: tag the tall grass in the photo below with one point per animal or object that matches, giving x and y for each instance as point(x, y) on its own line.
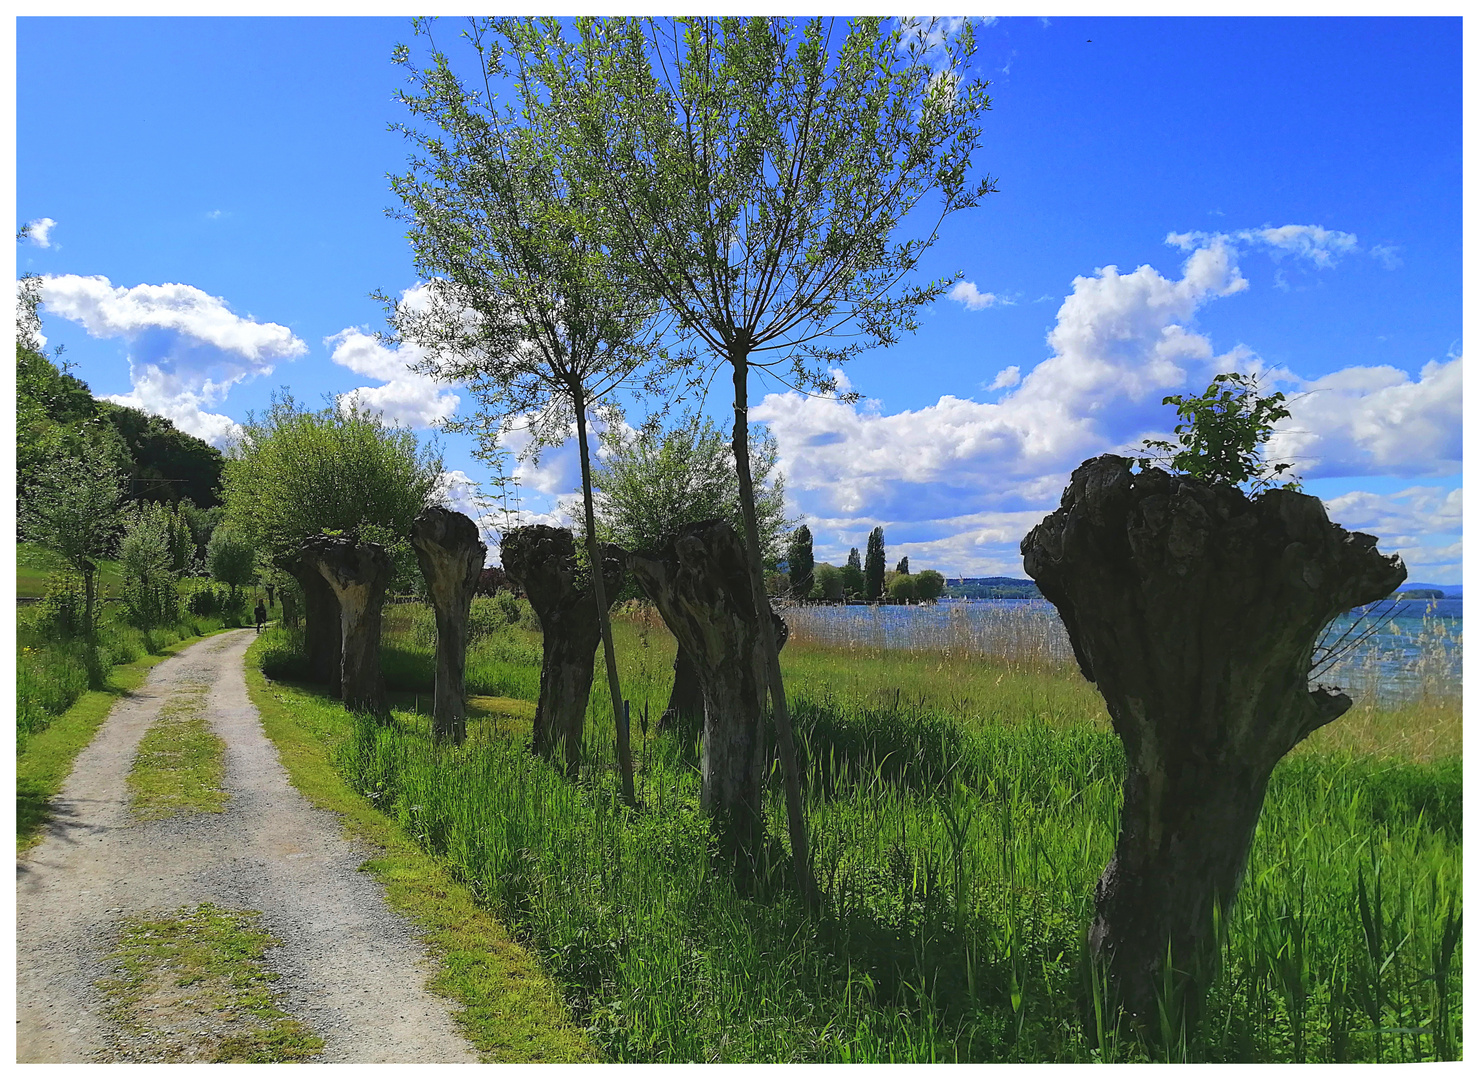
point(962, 806)
point(55, 668)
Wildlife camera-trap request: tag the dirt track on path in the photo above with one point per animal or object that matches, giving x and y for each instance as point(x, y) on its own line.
point(351, 969)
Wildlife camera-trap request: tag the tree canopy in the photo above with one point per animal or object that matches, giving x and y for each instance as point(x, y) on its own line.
point(800, 562)
point(651, 484)
point(296, 473)
point(1222, 434)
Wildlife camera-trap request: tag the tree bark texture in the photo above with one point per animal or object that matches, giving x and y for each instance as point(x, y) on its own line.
point(1195, 610)
point(451, 558)
point(358, 573)
point(700, 583)
point(685, 711)
point(323, 633)
point(289, 610)
point(541, 561)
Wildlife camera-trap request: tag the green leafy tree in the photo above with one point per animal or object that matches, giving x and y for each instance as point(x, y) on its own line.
point(652, 483)
point(929, 584)
point(800, 562)
point(903, 567)
point(829, 585)
point(232, 559)
point(296, 473)
point(757, 170)
point(528, 304)
point(1222, 435)
point(853, 582)
point(873, 565)
point(74, 507)
point(151, 559)
point(903, 587)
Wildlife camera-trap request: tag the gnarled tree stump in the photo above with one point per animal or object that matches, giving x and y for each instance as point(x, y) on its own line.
point(358, 573)
point(541, 561)
point(323, 632)
point(1195, 610)
point(700, 583)
point(451, 558)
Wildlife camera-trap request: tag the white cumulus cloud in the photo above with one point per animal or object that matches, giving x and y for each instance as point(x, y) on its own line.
point(1375, 420)
point(186, 348)
point(404, 396)
point(38, 231)
point(965, 292)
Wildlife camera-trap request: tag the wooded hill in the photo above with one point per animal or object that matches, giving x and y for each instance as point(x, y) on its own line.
point(55, 412)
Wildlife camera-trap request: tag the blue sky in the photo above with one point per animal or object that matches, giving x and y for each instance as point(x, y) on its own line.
point(1177, 197)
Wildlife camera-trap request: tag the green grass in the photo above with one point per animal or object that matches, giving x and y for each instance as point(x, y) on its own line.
point(45, 759)
point(35, 564)
point(180, 761)
point(193, 987)
point(961, 813)
point(509, 1009)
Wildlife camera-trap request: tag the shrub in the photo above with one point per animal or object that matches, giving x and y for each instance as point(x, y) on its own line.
point(62, 612)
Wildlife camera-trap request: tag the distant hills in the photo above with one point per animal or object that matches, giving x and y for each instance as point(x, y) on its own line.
point(1009, 588)
point(991, 588)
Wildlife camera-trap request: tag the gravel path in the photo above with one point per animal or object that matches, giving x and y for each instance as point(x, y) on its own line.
point(351, 969)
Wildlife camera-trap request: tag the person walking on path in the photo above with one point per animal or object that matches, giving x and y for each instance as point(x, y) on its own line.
point(261, 614)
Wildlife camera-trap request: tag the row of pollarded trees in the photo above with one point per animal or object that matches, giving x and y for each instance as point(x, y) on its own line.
point(678, 198)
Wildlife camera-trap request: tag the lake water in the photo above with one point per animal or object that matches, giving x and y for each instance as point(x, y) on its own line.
point(1391, 650)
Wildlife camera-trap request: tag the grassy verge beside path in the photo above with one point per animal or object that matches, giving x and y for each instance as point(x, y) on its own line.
point(45, 762)
point(510, 1010)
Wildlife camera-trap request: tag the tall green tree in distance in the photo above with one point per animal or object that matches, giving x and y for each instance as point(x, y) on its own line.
point(800, 562)
point(853, 583)
point(757, 169)
point(873, 565)
point(528, 303)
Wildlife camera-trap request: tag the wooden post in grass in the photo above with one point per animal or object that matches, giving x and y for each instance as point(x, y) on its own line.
point(1195, 610)
point(541, 561)
point(701, 585)
point(358, 573)
point(451, 558)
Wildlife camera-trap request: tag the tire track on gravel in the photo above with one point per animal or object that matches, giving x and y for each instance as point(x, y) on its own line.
point(351, 969)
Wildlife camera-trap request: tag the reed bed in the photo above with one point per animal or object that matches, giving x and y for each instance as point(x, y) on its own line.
point(962, 805)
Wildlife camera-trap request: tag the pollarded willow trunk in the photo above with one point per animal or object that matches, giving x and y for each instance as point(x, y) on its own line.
point(323, 633)
point(451, 558)
point(541, 561)
point(701, 585)
point(685, 711)
point(358, 573)
point(1195, 610)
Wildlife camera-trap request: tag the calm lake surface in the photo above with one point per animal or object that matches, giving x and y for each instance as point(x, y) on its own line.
point(1393, 650)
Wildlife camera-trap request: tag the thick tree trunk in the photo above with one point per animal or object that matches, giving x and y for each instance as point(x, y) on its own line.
point(541, 561)
point(685, 711)
point(358, 573)
point(323, 634)
point(451, 558)
point(701, 586)
point(289, 610)
point(1196, 611)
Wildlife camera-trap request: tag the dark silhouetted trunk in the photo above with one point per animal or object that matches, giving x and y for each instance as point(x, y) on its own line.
point(451, 558)
point(323, 634)
point(541, 561)
point(289, 610)
point(1195, 610)
point(700, 583)
point(685, 711)
point(358, 573)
